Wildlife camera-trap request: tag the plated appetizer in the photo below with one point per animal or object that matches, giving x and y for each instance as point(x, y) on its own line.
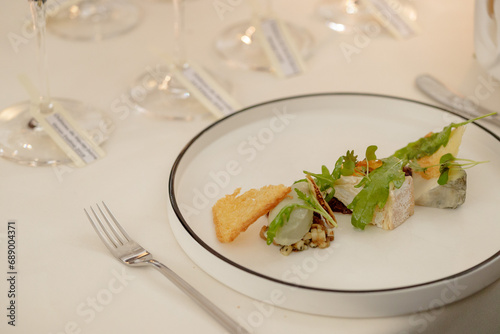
point(379, 192)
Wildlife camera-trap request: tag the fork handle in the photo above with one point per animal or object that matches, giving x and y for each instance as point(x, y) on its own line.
point(227, 322)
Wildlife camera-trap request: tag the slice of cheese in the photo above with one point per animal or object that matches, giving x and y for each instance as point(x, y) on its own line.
point(398, 208)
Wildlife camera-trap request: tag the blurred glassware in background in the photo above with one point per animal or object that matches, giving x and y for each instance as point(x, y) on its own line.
point(94, 20)
point(158, 92)
point(238, 46)
point(487, 35)
point(353, 16)
point(344, 16)
point(22, 140)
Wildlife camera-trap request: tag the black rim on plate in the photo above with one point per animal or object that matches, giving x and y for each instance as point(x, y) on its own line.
point(173, 200)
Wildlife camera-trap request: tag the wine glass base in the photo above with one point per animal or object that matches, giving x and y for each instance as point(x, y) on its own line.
point(94, 20)
point(346, 17)
point(237, 47)
point(157, 93)
point(25, 143)
point(351, 16)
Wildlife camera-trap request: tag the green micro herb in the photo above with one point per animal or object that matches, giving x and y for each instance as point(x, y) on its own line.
point(326, 180)
point(376, 190)
point(444, 168)
point(344, 166)
point(349, 163)
point(370, 153)
point(370, 156)
point(446, 163)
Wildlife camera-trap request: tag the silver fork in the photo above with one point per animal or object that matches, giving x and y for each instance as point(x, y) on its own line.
point(131, 253)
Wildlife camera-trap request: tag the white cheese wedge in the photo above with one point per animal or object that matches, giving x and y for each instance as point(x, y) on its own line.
point(398, 208)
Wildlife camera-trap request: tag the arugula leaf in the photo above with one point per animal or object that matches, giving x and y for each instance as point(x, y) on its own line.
point(376, 191)
point(313, 204)
point(280, 220)
point(326, 180)
point(337, 170)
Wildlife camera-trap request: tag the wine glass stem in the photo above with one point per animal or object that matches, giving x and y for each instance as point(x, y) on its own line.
point(38, 13)
point(179, 33)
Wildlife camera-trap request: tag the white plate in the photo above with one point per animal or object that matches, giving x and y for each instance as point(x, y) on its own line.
point(436, 257)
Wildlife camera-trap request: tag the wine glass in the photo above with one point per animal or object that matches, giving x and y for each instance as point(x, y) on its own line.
point(345, 16)
point(22, 139)
point(352, 16)
point(94, 19)
point(238, 46)
point(158, 92)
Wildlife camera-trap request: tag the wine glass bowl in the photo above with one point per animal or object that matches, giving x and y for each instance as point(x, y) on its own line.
point(23, 141)
point(158, 93)
point(238, 46)
point(353, 16)
point(345, 16)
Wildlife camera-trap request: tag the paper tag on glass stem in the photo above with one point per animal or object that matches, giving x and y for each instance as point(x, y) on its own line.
point(62, 129)
point(391, 15)
point(206, 90)
point(65, 132)
point(279, 47)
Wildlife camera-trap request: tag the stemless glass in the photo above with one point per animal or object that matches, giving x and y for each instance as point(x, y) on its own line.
point(239, 48)
point(22, 140)
point(94, 19)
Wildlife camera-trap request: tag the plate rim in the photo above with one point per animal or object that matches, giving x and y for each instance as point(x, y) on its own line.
point(185, 225)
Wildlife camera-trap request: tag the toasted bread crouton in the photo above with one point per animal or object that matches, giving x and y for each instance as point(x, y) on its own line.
point(233, 214)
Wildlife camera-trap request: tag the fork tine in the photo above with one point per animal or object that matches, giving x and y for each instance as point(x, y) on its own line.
point(107, 241)
point(110, 236)
point(117, 224)
point(110, 229)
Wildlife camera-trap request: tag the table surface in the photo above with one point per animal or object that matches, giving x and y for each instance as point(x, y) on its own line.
point(69, 283)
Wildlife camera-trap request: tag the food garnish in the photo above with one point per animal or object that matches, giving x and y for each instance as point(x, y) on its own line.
point(375, 191)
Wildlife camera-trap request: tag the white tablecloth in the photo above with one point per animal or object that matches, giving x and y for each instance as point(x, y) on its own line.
point(68, 282)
